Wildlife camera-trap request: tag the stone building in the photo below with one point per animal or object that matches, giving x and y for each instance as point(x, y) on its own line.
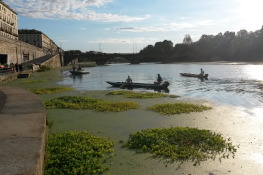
point(38, 39)
point(8, 22)
point(31, 46)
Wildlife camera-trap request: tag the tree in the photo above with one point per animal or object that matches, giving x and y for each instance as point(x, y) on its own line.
point(187, 39)
point(147, 50)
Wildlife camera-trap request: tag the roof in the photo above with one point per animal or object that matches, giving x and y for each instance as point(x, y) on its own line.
point(4, 4)
point(27, 31)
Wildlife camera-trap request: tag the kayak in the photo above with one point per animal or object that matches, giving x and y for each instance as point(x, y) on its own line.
point(140, 85)
point(194, 75)
point(79, 72)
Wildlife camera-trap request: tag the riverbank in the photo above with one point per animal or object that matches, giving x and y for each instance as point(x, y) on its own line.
point(230, 121)
point(22, 132)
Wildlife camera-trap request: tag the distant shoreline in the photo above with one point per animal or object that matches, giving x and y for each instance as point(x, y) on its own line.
point(221, 63)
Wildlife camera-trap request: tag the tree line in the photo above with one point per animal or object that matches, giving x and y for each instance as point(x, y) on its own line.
point(230, 46)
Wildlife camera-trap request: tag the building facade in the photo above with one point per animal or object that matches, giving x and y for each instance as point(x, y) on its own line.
point(30, 45)
point(38, 39)
point(8, 22)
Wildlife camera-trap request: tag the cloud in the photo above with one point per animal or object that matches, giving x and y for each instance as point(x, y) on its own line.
point(166, 27)
point(68, 9)
point(124, 40)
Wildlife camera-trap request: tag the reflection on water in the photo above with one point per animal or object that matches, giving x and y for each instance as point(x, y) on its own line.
point(233, 84)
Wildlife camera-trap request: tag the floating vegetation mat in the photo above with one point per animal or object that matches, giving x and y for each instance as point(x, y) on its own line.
point(177, 108)
point(75, 102)
point(43, 69)
point(182, 144)
point(77, 153)
point(131, 94)
point(35, 81)
point(50, 90)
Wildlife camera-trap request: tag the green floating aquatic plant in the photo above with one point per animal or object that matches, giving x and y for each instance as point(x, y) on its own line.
point(177, 108)
point(75, 102)
point(35, 81)
point(131, 94)
point(182, 144)
point(43, 69)
point(50, 90)
point(77, 153)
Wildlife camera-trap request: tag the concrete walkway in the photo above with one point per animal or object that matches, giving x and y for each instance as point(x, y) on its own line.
point(22, 132)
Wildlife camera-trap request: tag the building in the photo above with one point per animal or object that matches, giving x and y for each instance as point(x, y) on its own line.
point(32, 45)
point(8, 22)
point(38, 39)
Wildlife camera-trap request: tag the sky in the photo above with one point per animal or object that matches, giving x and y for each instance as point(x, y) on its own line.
point(127, 26)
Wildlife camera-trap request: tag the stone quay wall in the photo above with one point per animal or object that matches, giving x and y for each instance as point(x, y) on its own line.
point(53, 62)
point(8, 77)
point(18, 51)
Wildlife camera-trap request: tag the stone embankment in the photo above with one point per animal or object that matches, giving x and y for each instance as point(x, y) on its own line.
point(22, 132)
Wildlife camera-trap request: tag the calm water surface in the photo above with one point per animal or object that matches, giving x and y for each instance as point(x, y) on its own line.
point(240, 87)
point(231, 84)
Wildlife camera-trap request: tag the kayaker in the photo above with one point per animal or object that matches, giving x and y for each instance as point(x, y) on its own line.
point(79, 68)
point(128, 80)
point(202, 72)
point(159, 79)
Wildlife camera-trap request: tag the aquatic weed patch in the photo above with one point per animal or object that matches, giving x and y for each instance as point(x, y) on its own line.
point(131, 94)
point(177, 108)
point(182, 144)
point(77, 102)
point(50, 90)
point(43, 69)
point(77, 153)
point(35, 81)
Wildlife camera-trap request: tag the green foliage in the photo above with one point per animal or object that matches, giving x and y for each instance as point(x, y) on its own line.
point(227, 46)
point(182, 144)
point(50, 90)
point(158, 50)
point(77, 153)
point(177, 108)
point(75, 102)
point(131, 94)
point(43, 69)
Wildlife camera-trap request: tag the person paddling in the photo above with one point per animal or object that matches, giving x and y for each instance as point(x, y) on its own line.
point(128, 80)
point(159, 79)
point(202, 72)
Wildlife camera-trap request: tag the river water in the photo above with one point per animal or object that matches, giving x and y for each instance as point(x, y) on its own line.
point(228, 83)
point(234, 90)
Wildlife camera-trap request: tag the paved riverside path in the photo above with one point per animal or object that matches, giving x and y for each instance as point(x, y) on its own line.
point(22, 132)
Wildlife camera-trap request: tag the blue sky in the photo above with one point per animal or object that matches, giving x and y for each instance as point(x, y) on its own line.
point(127, 26)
